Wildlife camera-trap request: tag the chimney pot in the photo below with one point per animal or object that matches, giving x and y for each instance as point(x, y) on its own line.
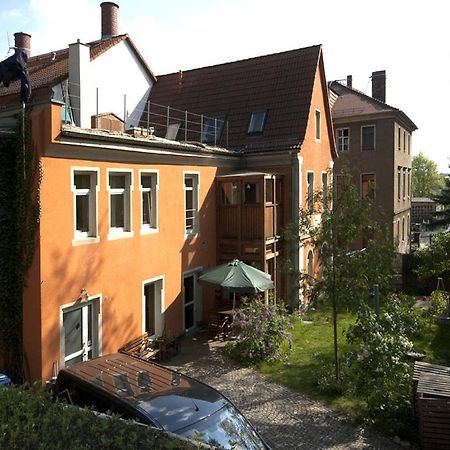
point(379, 85)
point(23, 41)
point(110, 24)
point(349, 81)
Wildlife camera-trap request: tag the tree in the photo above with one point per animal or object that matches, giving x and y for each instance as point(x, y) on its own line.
point(442, 217)
point(425, 176)
point(348, 269)
point(434, 260)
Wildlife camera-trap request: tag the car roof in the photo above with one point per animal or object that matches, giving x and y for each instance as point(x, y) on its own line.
point(168, 398)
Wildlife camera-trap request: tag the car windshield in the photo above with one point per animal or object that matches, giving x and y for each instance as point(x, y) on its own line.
point(226, 428)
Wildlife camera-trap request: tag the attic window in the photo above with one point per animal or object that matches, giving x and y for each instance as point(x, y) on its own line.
point(212, 129)
point(257, 122)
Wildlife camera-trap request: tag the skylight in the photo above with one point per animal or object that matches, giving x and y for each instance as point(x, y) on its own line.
point(212, 129)
point(257, 122)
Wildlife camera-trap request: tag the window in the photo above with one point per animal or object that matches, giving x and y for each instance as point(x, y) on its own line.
point(343, 139)
point(399, 182)
point(404, 184)
point(153, 317)
point(257, 122)
point(172, 131)
point(251, 193)
point(317, 123)
point(191, 183)
point(310, 264)
point(409, 182)
point(409, 144)
point(119, 202)
point(404, 140)
point(368, 137)
point(399, 139)
point(341, 184)
point(84, 187)
point(324, 190)
point(403, 229)
point(368, 185)
point(80, 332)
point(212, 128)
point(310, 190)
point(229, 191)
point(149, 187)
point(269, 190)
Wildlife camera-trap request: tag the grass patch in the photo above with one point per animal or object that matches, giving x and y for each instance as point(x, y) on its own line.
point(434, 340)
point(312, 352)
point(312, 356)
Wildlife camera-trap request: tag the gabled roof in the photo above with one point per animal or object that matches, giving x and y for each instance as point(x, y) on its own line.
point(350, 103)
point(281, 84)
point(51, 68)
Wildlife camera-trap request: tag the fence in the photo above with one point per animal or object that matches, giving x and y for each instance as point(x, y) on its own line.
point(161, 120)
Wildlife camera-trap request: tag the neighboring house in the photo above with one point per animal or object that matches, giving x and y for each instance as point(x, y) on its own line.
point(422, 210)
point(130, 219)
point(373, 141)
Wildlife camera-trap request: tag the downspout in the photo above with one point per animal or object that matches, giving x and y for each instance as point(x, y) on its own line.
point(296, 250)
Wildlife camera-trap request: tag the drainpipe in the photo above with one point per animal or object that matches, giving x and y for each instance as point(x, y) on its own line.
point(296, 249)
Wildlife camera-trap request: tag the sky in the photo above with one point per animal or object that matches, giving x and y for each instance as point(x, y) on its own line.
point(410, 39)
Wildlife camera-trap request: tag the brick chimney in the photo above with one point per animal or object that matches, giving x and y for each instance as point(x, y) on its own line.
point(110, 23)
point(23, 41)
point(379, 85)
point(349, 81)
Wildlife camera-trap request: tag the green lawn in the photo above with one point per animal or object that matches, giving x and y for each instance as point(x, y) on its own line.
point(313, 355)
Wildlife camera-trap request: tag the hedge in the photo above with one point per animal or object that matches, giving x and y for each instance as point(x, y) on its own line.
point(29, 419)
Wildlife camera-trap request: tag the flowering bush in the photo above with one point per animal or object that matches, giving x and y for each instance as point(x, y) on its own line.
point(261, 331)
point(378, 369)
point(438, 303)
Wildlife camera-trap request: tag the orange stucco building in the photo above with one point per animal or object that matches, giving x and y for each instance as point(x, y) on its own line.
point(129, 219)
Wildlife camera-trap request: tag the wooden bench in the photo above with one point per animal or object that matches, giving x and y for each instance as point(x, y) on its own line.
point(143, 347)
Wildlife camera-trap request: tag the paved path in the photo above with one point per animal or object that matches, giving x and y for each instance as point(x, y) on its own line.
point(286, 419)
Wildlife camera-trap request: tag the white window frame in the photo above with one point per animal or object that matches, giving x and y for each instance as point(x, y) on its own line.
point(127, 230)
point(161, 298)
point(92, 236)
point(97, 340)
point(317, 124)
point(374, 137)
point(154, 190)
point(195, 231)
point(341, 140)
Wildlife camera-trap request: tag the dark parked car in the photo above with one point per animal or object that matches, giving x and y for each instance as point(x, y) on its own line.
point(159, 397)
point(4, 380)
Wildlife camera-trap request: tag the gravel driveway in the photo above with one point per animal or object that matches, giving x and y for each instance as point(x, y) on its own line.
point(285, 418)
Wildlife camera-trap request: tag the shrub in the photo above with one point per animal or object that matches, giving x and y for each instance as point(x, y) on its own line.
point(438, 303)
point(261, 330)
point(377, 368)
point(29, 419)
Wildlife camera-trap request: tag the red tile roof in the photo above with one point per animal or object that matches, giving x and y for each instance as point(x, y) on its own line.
point(49, 69)
point(280, 84)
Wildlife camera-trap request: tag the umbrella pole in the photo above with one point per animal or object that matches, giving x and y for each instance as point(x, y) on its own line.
point(234, 300)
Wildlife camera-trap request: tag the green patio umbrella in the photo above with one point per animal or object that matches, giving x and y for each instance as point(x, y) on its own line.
point(237, 277)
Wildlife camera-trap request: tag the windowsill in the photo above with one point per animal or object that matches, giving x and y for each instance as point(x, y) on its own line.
point(114, 235)
point(145, 231)
point(85, 240)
